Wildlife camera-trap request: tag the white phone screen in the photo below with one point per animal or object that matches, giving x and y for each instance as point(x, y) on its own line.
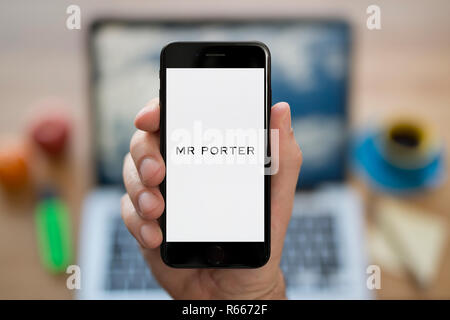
point(215, 154)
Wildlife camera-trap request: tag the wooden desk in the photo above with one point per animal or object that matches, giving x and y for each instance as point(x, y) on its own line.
point(403, 68)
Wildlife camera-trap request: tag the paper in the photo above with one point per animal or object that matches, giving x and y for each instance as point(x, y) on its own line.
point(408, 237)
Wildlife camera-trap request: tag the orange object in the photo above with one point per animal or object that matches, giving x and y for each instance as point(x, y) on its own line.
point(14, 173)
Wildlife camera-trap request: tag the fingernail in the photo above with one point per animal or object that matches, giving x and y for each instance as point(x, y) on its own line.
point(147, 202)
point(287, 116)
point(148, 168)
point(147, 235)
point(144, 110)
point(285, 121)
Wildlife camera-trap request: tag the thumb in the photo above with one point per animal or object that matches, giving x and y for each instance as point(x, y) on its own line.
point(284, 181)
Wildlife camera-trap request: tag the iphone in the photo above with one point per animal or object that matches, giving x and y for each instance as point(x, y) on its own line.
point(215, 100)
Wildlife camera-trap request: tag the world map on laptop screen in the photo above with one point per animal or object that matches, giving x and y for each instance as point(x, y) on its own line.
point(310, 71)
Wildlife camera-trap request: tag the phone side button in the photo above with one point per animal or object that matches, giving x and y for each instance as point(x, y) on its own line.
point(215, 254)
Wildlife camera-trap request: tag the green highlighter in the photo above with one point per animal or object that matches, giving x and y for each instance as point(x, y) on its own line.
point(54, 233)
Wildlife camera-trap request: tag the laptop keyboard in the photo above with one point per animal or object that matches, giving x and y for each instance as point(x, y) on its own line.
point(127, 269)
point(310, 256)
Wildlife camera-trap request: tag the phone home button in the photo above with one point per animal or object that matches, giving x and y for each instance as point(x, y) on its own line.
point(215, 254)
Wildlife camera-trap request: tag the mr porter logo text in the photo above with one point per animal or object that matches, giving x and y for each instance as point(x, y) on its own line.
point(214, 150)
point(222, 146)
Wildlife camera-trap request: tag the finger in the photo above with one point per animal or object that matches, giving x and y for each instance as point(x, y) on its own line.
point(144, 149)
point(284, 182)
point(147, 233)
point(148, 118)
point(148, 202)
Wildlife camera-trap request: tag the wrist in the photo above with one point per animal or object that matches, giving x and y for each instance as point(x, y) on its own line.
point(278, 291)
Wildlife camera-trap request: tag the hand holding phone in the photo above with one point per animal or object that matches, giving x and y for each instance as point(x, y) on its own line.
point(143, 172)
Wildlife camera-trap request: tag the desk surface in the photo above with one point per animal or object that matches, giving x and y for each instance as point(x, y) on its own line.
point(403, 68)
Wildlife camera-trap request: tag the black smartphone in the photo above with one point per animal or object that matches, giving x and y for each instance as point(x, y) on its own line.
point(215, 100)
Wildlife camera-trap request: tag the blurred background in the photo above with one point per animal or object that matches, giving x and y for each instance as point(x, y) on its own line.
point(371, 112)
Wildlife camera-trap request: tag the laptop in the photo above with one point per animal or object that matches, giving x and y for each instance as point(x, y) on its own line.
point(323, 255)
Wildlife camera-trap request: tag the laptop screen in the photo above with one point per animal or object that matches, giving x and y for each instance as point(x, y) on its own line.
point(310, 71)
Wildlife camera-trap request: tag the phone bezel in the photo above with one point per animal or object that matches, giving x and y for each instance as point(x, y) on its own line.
point(217, 55)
